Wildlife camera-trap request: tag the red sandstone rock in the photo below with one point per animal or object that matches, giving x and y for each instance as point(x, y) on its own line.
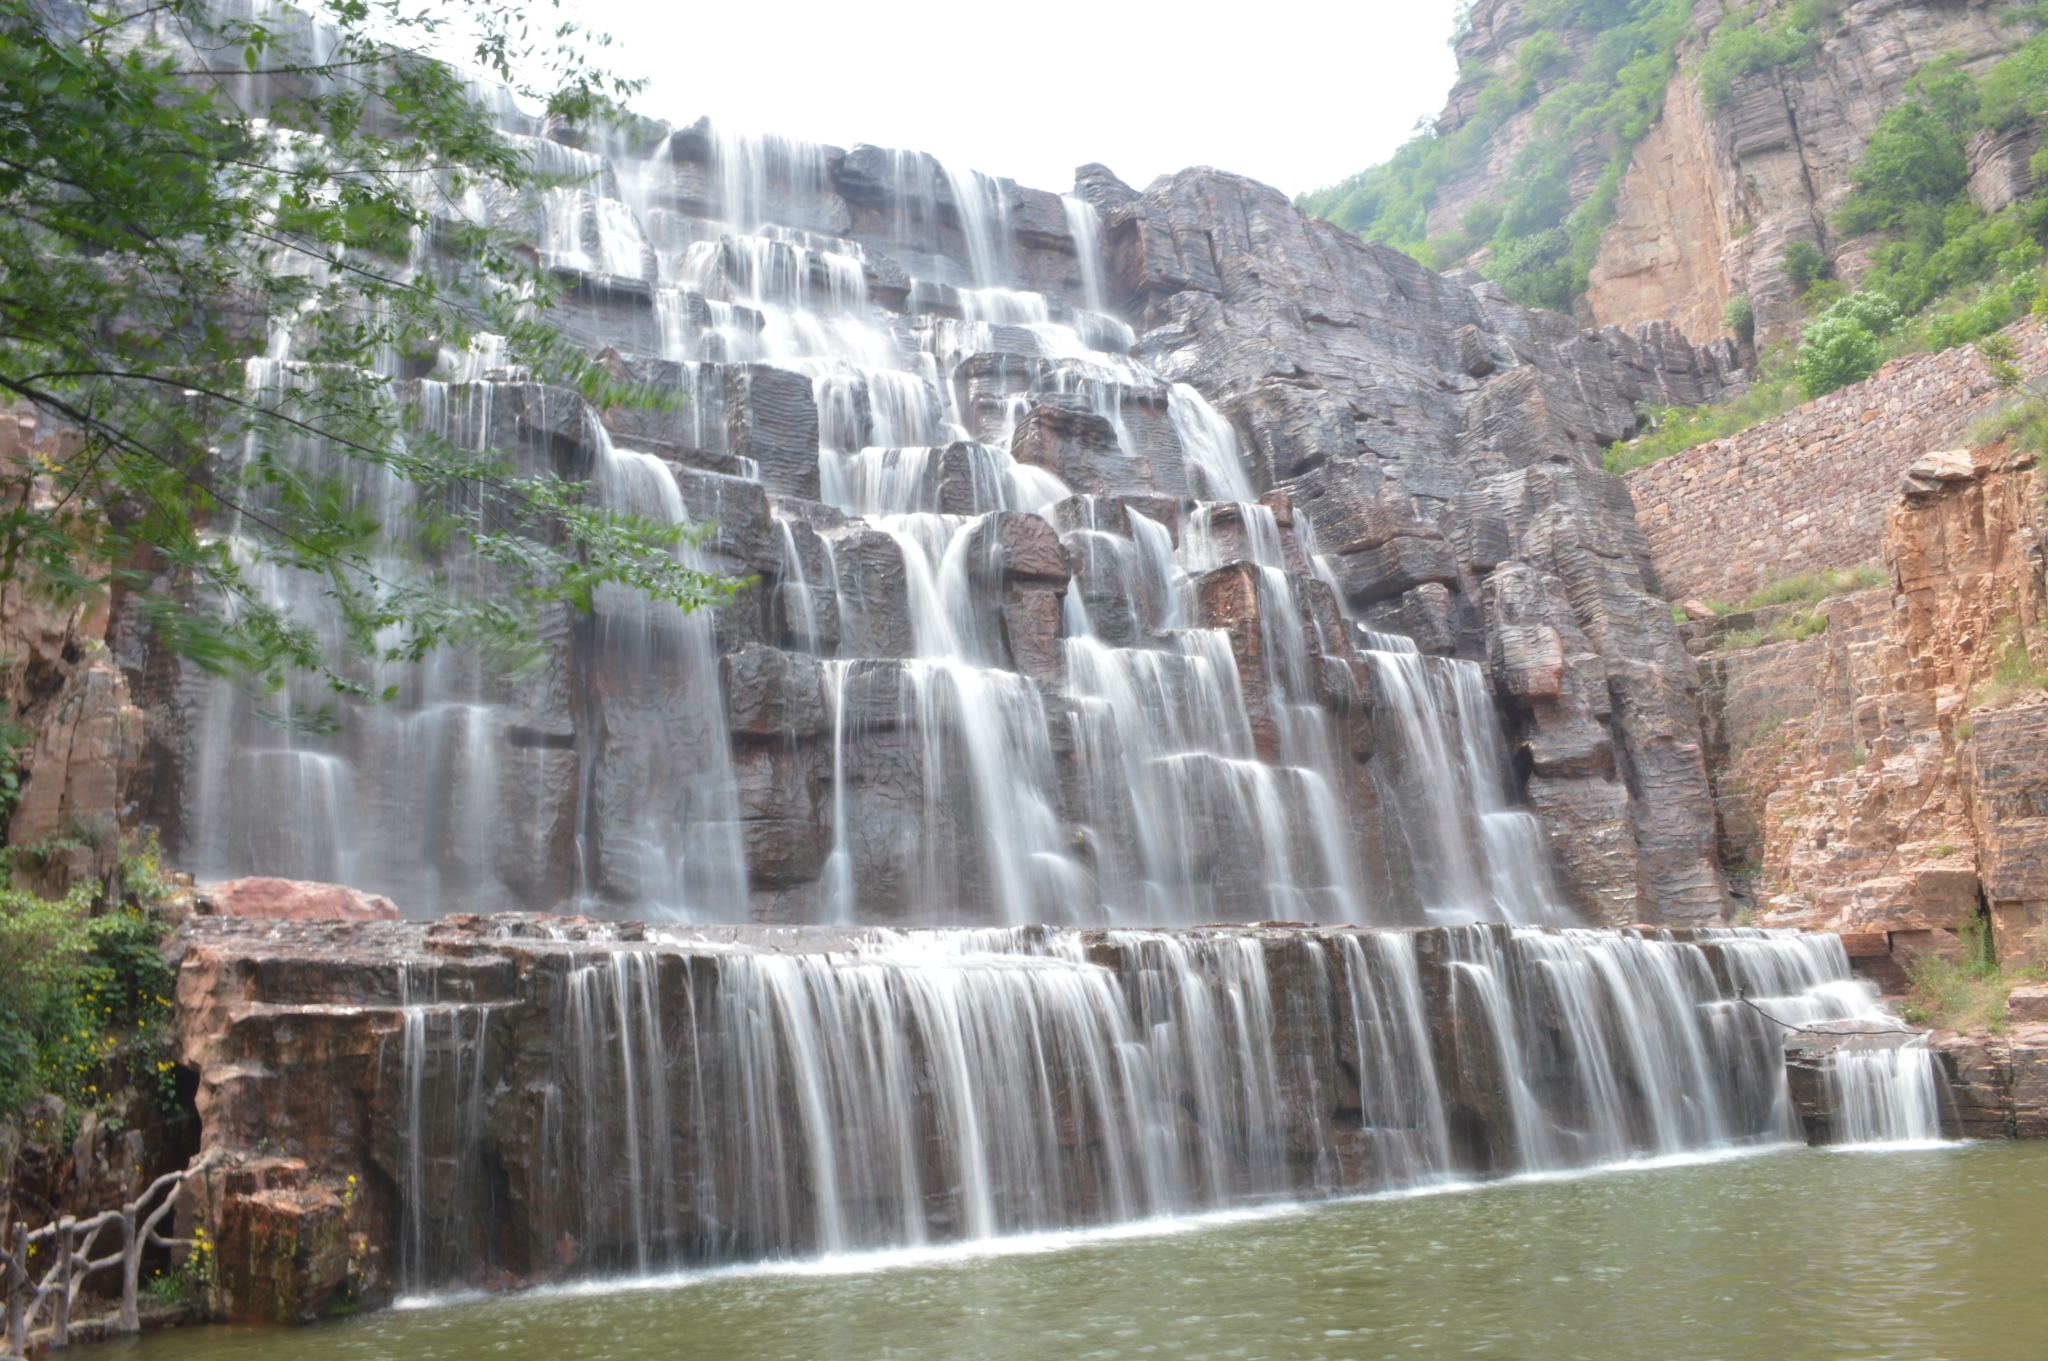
point(2028, 1003)
point(294, 900)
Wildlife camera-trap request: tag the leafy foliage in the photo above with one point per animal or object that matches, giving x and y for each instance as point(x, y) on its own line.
point(1745, 43)
point(77, 993)
point(1739, 316)
point(1606, 87)
point(1844, 344)
point(223, 241)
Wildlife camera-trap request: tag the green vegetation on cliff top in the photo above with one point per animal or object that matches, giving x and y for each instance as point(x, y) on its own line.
point(1594, 73)
point(1943, 271)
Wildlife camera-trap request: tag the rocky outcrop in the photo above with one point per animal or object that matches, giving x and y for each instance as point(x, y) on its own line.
point(1710, 201)
point(1998, 1083)
point(78, 735)
point(1991, 1086)
point(515, 1099)
point(1879, 777)
point(1710, 198)
point(1446, 445)
point(293, 900)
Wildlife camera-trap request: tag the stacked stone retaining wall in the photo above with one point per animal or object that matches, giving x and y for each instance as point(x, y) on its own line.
point(1807, 490)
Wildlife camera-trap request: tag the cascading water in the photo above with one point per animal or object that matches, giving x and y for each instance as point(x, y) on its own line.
point(1120, 739)
point(680, 1099)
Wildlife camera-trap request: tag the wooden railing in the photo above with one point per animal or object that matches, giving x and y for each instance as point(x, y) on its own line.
point(71, 1243)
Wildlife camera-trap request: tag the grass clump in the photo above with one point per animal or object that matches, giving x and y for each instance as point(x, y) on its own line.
point(1736, 640)
point(1808, 587)
point(2015, 675)
point(1961, 994)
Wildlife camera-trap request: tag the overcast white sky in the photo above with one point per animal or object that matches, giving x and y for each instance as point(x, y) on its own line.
point(1299, 94)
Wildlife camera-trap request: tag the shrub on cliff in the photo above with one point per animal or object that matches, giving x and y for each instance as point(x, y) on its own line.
point(1844, 344)
point(1745, 43)
point(222, 240)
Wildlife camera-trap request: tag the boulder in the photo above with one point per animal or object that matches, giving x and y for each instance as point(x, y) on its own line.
point(294, 900)
point(772, 419)
point(773, 693)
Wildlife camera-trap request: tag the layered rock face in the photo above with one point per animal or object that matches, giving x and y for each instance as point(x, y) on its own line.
point(504, 1100)
point(1880, 777)
point(1447, 445)
point(1116, 557)
point(1711, 200)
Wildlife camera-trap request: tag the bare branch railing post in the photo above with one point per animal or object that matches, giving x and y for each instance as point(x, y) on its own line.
point(16, 1235)
point(73, 1241)
point(60, 1321)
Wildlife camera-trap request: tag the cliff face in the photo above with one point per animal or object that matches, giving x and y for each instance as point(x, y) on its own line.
point(509, 1100)
point(1880, 777)
point(1711, 200)
point(1447, 445)
point(59, 684)
point(857, 335)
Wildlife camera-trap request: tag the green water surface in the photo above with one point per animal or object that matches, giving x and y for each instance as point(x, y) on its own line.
point(1915, 1255)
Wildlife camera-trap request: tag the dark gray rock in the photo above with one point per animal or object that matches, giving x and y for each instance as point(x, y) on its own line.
point(771, 419)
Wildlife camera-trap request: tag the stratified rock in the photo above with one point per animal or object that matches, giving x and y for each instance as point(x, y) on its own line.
point(1874, 776)
point(772, 420)
point(772, 693)
point(874, 597)
point(1352, 369)
point(1080, 448)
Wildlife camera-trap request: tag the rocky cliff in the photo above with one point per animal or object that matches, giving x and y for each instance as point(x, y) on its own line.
point(490, 1102)
point(76, 737)
point(1447, 445)
point(1711, 200)
point(1884, 778)
point(1711, 197)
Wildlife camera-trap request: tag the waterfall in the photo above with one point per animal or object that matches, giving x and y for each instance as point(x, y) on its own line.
point(690, 1098)
point(1885, 1093)
point(1084, 665)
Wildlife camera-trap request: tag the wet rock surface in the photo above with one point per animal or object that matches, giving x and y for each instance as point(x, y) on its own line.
point(1347, 367)
point(491, 1101)
point(1010, 483)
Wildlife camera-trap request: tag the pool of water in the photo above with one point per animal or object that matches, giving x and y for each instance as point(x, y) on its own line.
point(1932, 1254)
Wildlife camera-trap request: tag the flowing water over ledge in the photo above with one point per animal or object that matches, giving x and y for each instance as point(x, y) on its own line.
point(533, 1101)
point(1891, 1255)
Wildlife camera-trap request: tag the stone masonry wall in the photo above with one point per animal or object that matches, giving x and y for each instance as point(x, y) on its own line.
point(1808, 489)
